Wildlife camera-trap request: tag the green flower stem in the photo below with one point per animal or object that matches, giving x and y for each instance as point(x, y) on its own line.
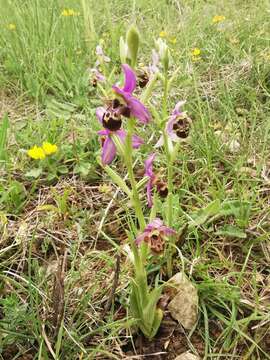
point(169, 208)
point(170, 178)
point(170, 216)
point(141, 281)
point(140, 273)
point(139, 257)
point(165, 95)
point(100, 87)
point(167, 151)
point(128, 158)
point(170, 193)
point(126, 153)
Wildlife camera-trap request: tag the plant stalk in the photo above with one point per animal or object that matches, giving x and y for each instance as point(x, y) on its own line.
point(128, 157)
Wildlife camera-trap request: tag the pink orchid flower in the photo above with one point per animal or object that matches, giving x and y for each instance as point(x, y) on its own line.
point(178, 125)
point(154, 235)
point(153, 181)
point(108, 146)
point(137, 109)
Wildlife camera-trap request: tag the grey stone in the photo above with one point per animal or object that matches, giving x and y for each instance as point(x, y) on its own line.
point(184, 304)
point(187, 356)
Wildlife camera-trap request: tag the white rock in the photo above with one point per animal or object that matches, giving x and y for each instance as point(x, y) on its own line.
point(187, 356)
point(173, 284)
point(184, 304)
point(234, 146)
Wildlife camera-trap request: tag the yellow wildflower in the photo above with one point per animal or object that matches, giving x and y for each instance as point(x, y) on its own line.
point(196, 52)
point(104, 188)
point(36, 153)
point(65, 12)
point(49, 148)
point(69, 12)
point(173, 40)
point(11, 26)
point(163, 34)
point(218, 18)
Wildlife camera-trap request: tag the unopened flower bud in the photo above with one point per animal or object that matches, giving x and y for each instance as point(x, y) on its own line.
point(163, 52)
point(123, 47)
point(133, 40)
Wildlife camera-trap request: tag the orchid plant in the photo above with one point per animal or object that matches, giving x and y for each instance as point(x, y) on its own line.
point(120, 117)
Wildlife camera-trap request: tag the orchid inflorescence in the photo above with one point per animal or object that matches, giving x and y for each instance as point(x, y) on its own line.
point(120, 117)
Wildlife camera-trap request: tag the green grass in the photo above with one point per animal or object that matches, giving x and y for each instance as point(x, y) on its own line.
point(48, 209)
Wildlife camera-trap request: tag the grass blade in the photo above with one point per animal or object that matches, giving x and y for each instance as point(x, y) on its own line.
point(3, 138)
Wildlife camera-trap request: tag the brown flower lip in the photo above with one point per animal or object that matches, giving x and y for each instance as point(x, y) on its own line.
point(156, 242)
point(125, 111)
point(121, 108)
point(182, 127)
point(115, 103)
point(143, 78)
point(162, 189)
point(112, 118)
point(154, 235)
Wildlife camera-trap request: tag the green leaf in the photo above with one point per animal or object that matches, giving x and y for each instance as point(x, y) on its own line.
point(60, 110)
point(233, 207)
point(232, 231)
point(135, 302)
point(3, 137)
point(150, 309)
point(13, 197)
point(51, 176)
point(117, 180)
point(202, 215)
point(156, 323)
point(142, 183)
point(239, 209)
point(34, 173)
point(47, 208)
point(82, 169)
point(62, 169)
